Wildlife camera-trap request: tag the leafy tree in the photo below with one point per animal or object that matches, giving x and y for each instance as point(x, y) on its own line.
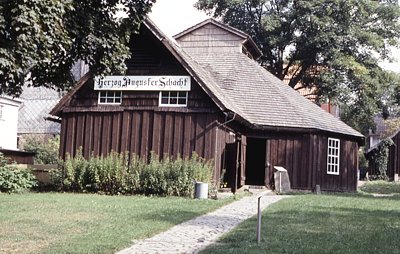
point(41, 39)
point(332, 46)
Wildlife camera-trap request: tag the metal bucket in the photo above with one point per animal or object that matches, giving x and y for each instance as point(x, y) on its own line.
point(201, 190)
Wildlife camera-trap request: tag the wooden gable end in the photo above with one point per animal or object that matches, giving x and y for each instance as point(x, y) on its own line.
point(149, 57)
point(211, 38)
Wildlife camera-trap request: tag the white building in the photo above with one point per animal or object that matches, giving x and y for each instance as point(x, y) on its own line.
point(8, 122)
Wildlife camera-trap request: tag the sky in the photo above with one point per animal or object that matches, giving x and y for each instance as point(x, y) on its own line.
point(174, 16)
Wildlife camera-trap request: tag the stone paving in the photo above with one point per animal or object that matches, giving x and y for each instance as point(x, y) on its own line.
point(194, 235)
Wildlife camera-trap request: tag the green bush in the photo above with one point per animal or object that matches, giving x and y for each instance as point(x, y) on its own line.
point(116, 174)
point(46, 152)
point(13, 179)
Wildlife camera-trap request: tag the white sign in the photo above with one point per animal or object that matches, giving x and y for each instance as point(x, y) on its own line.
point(142, 83)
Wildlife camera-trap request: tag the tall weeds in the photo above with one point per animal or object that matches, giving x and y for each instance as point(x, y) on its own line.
point(119, 174)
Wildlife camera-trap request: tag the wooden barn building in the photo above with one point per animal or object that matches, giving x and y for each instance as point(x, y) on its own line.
point(207, 94)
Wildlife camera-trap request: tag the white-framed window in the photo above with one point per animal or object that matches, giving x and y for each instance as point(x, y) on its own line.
point(173, 98)
point(333, 156)
point(110, 97)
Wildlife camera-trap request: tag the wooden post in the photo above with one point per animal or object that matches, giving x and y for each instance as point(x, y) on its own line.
point(259, 221)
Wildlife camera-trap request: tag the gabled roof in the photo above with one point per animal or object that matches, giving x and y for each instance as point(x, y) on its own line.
point(247, 40)
point(239, 84)
point(198, 74)
point(263, 99)
point(67, 98)
point(380, 142)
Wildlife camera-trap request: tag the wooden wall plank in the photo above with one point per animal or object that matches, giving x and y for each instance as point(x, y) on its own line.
point(177, 142)
point(144, 135)
point(116, 132)
point(187, 131)
point(125, 131)
point(106, 132)
point(296, 162)
point(157, 124)
point(169, 134)
point(79, 134)
point(70, 134)
point(63, 137)
point(193, 124)
point(200, 134)
point(88, 136)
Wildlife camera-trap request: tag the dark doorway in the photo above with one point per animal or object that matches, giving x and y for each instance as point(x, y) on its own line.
point(255, 161)
point(231, 165)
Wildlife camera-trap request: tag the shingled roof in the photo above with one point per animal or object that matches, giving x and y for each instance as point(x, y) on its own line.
point(239, 84)
point(263, 99)
point(259, 97)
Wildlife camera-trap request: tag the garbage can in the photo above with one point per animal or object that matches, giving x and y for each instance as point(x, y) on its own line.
point(201, 190)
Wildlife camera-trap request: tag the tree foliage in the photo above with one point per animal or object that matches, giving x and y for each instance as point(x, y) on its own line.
point(41, 39)
point(380, 156)
point(333, 46)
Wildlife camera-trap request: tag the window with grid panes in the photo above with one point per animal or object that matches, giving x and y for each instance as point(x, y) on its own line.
point(333, 156)
point(110, 97)
point(173, 98)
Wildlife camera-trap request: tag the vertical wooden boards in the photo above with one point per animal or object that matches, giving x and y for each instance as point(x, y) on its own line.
point(187, 130)
point(63, 137)
point(70, 135)
point(79, 136)
point(169, 134)
point(193, 134)
point(305, 158)
point(125, 131)
point(296, 167)
point(97, 134)
point(156, 139)
point(144, 138)
point(88, 135)
point(177, 142)
point(140, 132)
point(106, 132)
point(116, 127)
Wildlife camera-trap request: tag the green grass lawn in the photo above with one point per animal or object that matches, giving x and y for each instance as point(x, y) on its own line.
point(81, 223)
point(381, 187)
point(342, 223)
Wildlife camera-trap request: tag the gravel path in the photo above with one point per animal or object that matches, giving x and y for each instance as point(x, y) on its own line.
point(194, 235)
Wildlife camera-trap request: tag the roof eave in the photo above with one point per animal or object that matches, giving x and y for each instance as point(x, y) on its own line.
point(359, 139)
point(215, 22)
point(56, 111)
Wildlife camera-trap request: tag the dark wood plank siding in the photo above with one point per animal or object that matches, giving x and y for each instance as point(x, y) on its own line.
point(19, 157)
point(223, 137)
point(140, 132)
point(139, 125)
point(394, 155)
point(305, 158)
